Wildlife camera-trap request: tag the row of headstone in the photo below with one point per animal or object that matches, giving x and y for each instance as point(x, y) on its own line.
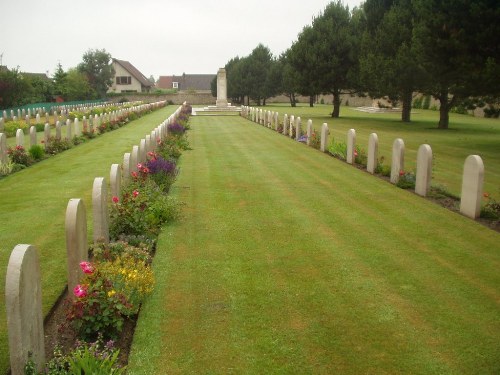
point(23, 281)
point(473, 173)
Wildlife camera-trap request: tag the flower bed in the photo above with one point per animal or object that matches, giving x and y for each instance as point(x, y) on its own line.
point(118, 279)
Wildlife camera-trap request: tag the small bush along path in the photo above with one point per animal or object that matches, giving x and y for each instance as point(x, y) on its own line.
point(33, 205)
point(290, 261)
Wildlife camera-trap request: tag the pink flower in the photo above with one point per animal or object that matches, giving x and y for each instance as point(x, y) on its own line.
point(135, 193)
point(115, 199)
point(87, 267)
point(139, 166)
point(134, 174)
point(145, 170)
point(355, 153)
point(80, 291)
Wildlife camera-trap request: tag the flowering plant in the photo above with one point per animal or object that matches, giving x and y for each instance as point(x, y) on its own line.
point(97, 307)
point(176, 129)
point(18, 155)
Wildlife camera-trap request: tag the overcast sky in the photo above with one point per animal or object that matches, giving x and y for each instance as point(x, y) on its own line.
point(159, 37)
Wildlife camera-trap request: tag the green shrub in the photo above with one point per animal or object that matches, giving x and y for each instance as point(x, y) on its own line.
point(55, 146)
point(36, 152)
point(427, 102)
point(406, 180)
point(381, 168)
point(10, 128)
point(417, 103)
point(338, 149)
point(360, 156)
point(18, 155)
point(40, 127)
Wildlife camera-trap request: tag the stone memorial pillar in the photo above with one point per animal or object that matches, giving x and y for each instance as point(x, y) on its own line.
point(23, 301)
point(221, 88)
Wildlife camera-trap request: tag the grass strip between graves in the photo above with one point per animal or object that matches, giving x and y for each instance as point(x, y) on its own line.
point(33, 205)
point(290, 261)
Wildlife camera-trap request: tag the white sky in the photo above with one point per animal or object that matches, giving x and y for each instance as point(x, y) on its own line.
point(159, 37)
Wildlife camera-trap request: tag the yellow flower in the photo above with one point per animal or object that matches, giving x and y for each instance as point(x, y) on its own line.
point(111, 293)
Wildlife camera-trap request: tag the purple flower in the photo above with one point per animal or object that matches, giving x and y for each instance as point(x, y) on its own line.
point(160, 165)
point(176, 128)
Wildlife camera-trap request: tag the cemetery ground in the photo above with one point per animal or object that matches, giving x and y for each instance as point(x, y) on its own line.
point(287, 260)
point(290, 261)
point(33, 204)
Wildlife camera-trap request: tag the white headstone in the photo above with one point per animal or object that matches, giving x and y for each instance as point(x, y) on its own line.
point(298, 124)
point(23, 300)
point(351, 146)
point(77, 127)
point(76, 240)
point(127, 167)
point(142, 151)
point(100, 210)
point(3, 148)
point(424, 170)
point(372, 153)
point(285, 124)
point(472, 187)
point(115, 180)
point(69, 130)
point(398, 159)
point(19, 137)
point(309, 131)
point(32, 136)
point(134, 158)
point(324, 137)
point(58, 130)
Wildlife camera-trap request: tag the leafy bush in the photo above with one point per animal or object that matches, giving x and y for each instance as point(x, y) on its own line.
point(360, 156)
point(338, 149)
point(97, 358)
point(381, 168)
point(162, 172)
point(98, 307)
point(112, 251)
point(18, 155)
point(55, 146)
point(39, 127)
point(142, 209)
point(315, 141)
point(7, 168)
point(10, 128)
point(176, 129)
point(427, 102)
point(491, 210)
point(36, 152)
point(406, 180)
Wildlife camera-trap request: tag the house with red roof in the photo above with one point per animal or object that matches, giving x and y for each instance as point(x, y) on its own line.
point(128, 78)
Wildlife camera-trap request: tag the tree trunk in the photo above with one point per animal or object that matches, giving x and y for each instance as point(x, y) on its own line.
point(444, 109)
point(311, 101)
point(293, 102)
point(264, 102)
point(406, 98)
point(248, 101)
point(336, 105)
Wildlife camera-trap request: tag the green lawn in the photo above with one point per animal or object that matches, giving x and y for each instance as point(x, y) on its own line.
point(467, 136)
point(33, 205)
point(290, 261)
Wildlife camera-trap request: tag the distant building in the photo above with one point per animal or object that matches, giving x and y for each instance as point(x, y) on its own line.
point(186, 82)
point(128, 78)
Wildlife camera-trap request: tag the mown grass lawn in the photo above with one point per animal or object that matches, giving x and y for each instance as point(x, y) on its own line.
point(290, 261)
point(33, 205)
point(467, 136)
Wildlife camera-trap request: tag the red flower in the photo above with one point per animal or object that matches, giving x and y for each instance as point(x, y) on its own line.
point(135, 193)
point(87, 267)
point(80, 291)
point(134, 174)
point(145, 170)
point(401, 173)
point(115, 199)
point(486, 195)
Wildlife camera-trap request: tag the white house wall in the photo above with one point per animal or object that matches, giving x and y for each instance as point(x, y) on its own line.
point(121, 72)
